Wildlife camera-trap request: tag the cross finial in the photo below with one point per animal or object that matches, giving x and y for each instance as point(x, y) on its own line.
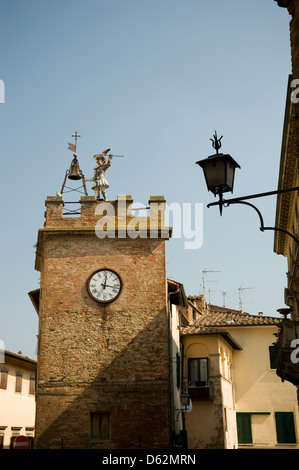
point(76, 135)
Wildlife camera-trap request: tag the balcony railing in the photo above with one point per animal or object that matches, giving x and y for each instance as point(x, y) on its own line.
point(201, 391)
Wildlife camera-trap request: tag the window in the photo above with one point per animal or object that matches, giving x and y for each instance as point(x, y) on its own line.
point(100, 425)
point(285, 428)
point(31, 442)
point(244, 428)
point(273, 356)
point(198, 372)
point(12, 438)
point(3, 378)
point(15, 433)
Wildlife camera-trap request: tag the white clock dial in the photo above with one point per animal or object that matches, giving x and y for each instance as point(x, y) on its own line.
point(104, 285)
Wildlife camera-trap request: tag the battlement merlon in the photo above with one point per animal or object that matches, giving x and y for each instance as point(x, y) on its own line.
point(104, 219)
point(92, 210)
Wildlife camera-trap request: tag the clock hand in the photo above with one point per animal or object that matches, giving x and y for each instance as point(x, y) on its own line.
point(106, 285)
point(105, 280)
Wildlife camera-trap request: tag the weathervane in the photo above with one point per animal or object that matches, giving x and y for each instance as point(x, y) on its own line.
point(73, 147)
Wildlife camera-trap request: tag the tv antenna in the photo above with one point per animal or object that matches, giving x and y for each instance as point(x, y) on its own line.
point(240, 296)
point(204, 272)
point(224, 294)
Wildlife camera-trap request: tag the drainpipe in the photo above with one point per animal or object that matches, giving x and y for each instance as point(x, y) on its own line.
point(182, 375)
point(171, 421)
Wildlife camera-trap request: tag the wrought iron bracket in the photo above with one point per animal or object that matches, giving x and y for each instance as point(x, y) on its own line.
point(242, 200)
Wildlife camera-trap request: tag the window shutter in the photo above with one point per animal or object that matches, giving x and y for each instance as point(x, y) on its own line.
point(273, 356)
point(100, 425)
point(18, 383)
point(104, 425)
point(3, 379)
point(32, 386)
point(285, 428)
point(244, 428)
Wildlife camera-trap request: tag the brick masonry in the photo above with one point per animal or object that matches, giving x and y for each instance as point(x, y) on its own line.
point(100, 358)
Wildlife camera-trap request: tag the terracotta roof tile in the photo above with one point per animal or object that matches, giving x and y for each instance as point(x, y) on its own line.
point(231, 318)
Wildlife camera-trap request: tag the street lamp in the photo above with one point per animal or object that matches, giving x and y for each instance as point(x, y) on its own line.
point(185, 403)
point(181, 438)
point(219, 173)
point(185, 400)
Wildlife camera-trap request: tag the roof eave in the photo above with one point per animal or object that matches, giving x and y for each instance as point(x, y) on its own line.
point(224, 334)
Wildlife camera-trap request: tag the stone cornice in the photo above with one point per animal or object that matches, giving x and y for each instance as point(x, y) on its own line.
point(156, 232)
point(287, 177)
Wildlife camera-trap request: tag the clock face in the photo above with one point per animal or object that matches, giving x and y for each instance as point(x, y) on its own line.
point(104, 285)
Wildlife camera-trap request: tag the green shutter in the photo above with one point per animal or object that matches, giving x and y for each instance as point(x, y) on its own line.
point(285, 428)
point(273, 357)
point(244, 428)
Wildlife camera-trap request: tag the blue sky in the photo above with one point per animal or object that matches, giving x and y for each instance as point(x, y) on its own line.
point(152, 80)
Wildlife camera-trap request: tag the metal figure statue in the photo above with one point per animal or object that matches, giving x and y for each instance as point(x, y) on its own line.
point(99, 179)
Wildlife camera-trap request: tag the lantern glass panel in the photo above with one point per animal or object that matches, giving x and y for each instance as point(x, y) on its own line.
point(185, 399)
point(215, 173)
point(230, 174)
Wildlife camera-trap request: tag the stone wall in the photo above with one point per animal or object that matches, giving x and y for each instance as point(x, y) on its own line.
point(110, 359)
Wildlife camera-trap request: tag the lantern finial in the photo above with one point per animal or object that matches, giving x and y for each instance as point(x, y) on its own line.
point(216, 143)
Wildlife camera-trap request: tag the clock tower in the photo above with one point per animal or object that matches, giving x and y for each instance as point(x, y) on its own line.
point(103, 378)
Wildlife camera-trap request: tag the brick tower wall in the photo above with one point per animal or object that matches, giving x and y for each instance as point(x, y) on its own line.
point(101, 359)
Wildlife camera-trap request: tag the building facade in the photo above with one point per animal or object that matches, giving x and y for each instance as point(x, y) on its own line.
point(105, 347)
point(177, 303)
point(229, 369)
point(17, 398)
point(287, 209)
